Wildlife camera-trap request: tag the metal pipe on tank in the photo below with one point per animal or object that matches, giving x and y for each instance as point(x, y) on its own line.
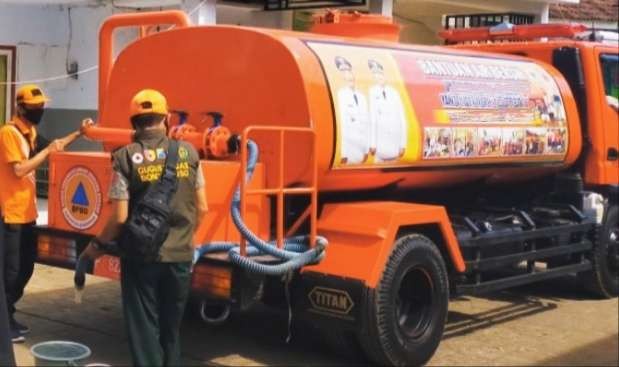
point(118, 137)
point(106, 38)
point(107, 135)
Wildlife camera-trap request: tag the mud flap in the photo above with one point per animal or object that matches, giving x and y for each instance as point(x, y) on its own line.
point(329, 301)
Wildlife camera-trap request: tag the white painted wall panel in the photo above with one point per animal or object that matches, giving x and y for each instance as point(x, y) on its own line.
point(45, 46)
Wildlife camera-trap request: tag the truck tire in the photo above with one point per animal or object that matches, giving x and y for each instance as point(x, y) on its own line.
point(603, 279)
point(405, 314)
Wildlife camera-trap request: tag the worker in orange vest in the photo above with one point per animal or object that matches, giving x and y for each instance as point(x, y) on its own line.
point(22, 150)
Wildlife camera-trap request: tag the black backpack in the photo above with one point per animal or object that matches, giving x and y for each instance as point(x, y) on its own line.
point(148, 225)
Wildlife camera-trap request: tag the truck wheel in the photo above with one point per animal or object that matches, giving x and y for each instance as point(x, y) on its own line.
point(603, 279)
point(406, 313)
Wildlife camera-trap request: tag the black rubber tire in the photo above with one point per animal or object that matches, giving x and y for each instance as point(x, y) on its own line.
point(603, 279)
point(416, 264)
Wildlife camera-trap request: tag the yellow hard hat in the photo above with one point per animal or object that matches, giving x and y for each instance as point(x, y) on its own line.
point(148, 101)
point(30, 94)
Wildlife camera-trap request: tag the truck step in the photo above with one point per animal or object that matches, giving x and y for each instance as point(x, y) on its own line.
point(504, 248)
point(561, 232)
point(517, 280)
point(534, 254)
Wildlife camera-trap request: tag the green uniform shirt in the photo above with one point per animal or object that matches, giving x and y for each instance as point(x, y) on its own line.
point(139, 164)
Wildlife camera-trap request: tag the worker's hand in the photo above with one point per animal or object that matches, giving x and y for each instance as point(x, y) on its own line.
point(86, 123)
point(401, 153)
point(66, 141)
point(57, 145)
point(92, 253)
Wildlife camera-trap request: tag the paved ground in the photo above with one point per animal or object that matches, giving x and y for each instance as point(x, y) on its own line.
point(552, 323)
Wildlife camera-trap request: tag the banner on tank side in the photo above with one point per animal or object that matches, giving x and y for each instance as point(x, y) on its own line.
point(395, 107)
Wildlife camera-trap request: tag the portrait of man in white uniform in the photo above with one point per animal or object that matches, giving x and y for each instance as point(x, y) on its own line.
point(354, 121)
point(388, 120)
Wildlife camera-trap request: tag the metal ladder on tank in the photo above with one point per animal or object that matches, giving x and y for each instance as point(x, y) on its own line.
point(280, 191)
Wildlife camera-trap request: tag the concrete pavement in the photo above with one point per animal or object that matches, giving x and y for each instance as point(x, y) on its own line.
point(552, 323)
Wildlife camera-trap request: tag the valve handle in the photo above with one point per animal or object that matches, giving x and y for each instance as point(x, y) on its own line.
point(217, 117)
point(182, 116)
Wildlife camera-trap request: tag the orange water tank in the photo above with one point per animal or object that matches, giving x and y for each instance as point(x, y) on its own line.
point(384, 113)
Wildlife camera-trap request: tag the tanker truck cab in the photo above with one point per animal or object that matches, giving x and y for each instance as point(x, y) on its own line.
point(473, 171)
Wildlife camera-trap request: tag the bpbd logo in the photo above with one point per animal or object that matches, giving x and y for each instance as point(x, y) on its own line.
point(80, 197)
point(80, 202)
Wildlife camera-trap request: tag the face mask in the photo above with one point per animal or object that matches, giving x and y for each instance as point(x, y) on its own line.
point(33, 115)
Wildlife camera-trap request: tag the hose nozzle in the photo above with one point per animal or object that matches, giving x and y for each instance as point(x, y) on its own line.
point(321, 243)
point(79, 278)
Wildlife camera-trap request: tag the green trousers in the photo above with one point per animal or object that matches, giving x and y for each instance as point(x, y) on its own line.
point(154, 296)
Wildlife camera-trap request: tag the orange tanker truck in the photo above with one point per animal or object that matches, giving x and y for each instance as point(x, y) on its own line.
point(361, 182)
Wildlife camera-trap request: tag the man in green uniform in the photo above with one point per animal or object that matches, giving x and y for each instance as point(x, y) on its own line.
point(154, 294)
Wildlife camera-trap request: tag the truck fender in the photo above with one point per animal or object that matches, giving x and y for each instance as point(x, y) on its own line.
point(361, 236)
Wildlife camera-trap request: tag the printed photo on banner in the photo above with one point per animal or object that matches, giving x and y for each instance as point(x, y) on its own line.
point(353, 112)
point(437, 142)
point(513, 141)
point(389, 126)
point(535, 142)
point(372, 109)
point(544, 97)
point(465, 140)
point(489, 142)
point(557, 143)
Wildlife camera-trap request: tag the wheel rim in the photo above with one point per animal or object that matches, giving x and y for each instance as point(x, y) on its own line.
point(413, 303)
point(613, 250)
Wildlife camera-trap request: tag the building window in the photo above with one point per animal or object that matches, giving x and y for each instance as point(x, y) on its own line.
point(485, 20)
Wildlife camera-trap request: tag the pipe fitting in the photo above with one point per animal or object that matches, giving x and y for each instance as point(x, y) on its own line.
point(214, 313)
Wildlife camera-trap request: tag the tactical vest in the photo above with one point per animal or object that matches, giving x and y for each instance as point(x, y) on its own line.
point(143, 162)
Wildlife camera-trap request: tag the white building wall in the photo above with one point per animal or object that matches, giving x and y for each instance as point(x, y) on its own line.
point(23, 22)
point(46, 45)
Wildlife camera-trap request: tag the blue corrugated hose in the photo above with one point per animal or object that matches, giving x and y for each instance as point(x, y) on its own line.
point(296, 252)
